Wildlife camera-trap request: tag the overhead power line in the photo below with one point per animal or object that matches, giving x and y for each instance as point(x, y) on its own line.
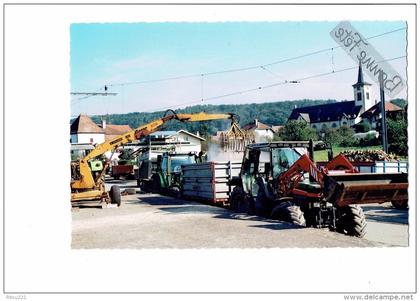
point(269, 86)
point(93, 93)
point(246, 68)
point(90, 94)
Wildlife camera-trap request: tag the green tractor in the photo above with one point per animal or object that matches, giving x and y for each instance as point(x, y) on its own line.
point(127, 164)
point(78, 151)
point(168, 176)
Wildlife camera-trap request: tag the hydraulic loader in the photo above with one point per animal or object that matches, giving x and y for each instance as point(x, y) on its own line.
point(85, 186)
point(280, 180)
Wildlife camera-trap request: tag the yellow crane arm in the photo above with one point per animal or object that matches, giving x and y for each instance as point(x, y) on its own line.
point(86, 180)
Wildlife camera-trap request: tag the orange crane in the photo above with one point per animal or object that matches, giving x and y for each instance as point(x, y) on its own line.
point(85, 186)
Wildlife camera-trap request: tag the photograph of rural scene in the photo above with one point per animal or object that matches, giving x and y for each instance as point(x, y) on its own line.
point(239, 135)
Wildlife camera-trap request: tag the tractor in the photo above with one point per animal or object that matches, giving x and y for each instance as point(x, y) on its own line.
point(279, 180)
point(168, 176)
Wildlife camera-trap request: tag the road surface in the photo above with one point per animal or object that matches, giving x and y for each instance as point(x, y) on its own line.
point(155, 221)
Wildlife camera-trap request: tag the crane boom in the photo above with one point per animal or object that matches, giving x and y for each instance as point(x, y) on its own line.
point(86, 180)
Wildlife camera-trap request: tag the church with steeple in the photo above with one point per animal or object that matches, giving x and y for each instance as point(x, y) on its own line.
point(362, 95)
point(335, 115)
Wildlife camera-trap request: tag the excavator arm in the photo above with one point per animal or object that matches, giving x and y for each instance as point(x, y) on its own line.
point(86, 180)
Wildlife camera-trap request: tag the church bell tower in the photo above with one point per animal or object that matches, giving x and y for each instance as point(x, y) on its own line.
point(362, 92)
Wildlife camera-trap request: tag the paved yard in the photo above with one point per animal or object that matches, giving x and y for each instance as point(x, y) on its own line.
point(154, 221)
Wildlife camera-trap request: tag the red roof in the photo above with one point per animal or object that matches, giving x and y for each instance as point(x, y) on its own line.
point(256, 125)
point(376, 109)
point(116, 129)
point(83, 124)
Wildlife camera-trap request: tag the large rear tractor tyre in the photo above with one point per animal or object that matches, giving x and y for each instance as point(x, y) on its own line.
point(400, 204)
point(115, 195)
point(352, 221)
point(289, 212)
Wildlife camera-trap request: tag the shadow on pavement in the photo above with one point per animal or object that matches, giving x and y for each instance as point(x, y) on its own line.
point(185, 207)
point(160, 200)
point(268, 223)
point(180, 206)
point(386, 215)
point(278, 225)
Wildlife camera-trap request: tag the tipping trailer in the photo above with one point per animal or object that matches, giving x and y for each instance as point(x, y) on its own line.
point(281, 181)
point(367, 188)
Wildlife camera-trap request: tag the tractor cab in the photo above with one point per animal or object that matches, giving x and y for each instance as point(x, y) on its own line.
point(264, 162)
point(168, 171)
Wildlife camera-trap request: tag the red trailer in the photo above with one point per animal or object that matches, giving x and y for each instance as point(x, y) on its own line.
point(118, 171)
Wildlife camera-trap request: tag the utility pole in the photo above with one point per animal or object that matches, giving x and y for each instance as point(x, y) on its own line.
point(383, 113)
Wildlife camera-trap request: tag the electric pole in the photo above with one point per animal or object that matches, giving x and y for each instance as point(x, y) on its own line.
point(383, 113)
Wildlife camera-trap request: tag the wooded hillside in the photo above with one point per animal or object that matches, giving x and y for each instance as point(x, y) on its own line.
point(273, 113)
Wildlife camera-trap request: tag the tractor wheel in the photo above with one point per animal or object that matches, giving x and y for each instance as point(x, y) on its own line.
point(262, 204)
point(239, 202)
point(287, 211)
point(115, 195)
point(155, 185)
point(400, 204)
point(352, 221)
point(235, 197)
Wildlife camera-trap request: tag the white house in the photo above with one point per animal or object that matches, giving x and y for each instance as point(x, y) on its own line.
point(84, 130)
point(178, 141)
point(169, 141)
point(262, 132)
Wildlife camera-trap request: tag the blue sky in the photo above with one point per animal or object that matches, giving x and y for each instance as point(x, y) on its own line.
point(112, 53)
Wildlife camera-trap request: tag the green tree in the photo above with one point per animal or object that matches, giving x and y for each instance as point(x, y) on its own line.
point(397, 135)
point(272, 113)
point(362, 127)
point(331, 136)
point(369, 140)
point(346, 135)
point(204, 130)
point(399, 102)
point(297, 130)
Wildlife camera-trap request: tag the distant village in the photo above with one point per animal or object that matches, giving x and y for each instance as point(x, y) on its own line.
point(363, 109)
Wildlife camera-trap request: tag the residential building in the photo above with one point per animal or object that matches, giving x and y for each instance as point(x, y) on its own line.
point(262, 132)
point(373, 116)
point(112, 131)
point(84, 130)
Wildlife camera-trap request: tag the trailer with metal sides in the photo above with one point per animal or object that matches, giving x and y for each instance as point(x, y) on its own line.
point(376, 166)
point(210, 181)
